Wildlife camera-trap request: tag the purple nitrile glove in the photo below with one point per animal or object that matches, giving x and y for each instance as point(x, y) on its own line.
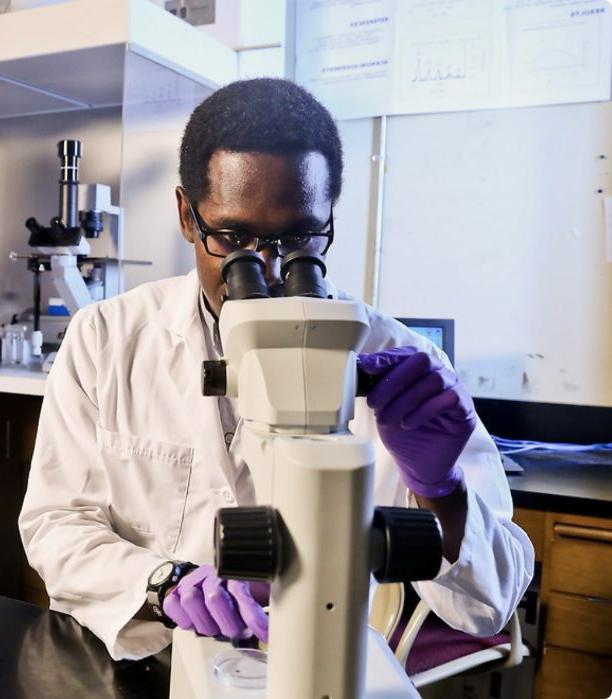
point(424, 416)
point(211, 606)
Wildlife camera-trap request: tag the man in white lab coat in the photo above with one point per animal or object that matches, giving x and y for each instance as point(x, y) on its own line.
point(132, 462)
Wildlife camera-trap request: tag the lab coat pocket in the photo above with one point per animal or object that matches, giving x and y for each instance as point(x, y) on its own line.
point(147, 482)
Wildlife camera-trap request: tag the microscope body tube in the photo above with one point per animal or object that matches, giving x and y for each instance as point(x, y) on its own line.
point(69, 153)
point(322, 489)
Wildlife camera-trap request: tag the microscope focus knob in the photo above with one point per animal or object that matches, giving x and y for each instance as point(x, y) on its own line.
point(247, 543)
point(409, 543)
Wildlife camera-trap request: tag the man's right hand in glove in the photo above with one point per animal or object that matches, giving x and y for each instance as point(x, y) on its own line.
point(211, 606)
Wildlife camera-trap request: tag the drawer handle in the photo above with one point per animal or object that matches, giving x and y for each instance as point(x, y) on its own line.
point(573, 531)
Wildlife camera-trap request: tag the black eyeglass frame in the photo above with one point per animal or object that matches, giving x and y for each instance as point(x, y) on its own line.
point(262, 241)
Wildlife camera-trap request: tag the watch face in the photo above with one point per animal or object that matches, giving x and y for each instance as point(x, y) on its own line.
point(159, 575)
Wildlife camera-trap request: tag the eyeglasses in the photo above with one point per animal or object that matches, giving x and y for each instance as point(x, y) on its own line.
point(220, 242)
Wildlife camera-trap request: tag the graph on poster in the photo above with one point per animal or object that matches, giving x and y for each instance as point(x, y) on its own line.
point(434, 71)
point(567, 53)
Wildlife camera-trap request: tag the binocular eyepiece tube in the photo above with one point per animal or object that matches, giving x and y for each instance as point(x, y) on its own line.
point(303, 274)
point(243, 273)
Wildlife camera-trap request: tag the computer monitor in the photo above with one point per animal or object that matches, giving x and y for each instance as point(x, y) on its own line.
point(441, 331)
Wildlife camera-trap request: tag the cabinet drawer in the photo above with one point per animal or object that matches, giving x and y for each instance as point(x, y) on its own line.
point(567, 674)
point(580, 559)
point(579, 623)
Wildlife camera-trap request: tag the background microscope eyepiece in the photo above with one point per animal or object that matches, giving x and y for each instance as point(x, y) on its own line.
point(303, 274)
point(243, 272)
point(69, 152)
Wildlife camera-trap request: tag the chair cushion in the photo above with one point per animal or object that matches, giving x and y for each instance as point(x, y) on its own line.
point(436, 644)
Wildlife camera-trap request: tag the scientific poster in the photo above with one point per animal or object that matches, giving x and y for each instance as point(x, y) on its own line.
point(371, 57)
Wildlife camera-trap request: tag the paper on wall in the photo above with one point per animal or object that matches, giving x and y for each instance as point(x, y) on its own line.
point(372, 57)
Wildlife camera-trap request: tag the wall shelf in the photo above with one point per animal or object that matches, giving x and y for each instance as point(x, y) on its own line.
point(72, 55)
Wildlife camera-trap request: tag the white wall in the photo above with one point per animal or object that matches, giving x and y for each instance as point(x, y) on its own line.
point(157, 105)
point(494, 219)
point(347, 260)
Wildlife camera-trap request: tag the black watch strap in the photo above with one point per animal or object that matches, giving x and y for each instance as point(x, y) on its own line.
point(160, 581)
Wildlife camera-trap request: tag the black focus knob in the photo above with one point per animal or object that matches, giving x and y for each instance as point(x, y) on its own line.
point(214, 377)
point(247, 543)
point(412, 544)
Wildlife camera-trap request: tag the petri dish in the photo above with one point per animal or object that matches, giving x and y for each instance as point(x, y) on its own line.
point(238, 673)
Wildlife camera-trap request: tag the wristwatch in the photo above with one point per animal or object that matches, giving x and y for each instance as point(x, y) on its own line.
point(160, 581)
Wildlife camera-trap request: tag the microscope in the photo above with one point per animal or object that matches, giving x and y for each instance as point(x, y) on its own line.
point(63, 249)
point(314, 534)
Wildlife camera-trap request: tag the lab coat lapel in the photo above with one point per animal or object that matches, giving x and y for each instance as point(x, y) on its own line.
point(179, 314)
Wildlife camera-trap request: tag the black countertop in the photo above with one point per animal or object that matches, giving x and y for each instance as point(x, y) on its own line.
point(578, 483)
point(47, 655)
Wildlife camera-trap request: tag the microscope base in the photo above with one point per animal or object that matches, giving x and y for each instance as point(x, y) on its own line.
point(385, 679)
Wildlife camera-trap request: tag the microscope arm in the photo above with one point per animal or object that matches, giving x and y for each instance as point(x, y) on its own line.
point(69, 282)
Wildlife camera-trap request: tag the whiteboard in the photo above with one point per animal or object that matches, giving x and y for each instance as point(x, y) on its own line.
point(495, 219)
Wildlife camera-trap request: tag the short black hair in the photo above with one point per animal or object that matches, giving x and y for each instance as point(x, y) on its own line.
point(264, 115)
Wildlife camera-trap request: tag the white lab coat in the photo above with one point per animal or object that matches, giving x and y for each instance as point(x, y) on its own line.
point(130, 466)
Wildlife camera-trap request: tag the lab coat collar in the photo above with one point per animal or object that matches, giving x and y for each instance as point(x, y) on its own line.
point(178, 311)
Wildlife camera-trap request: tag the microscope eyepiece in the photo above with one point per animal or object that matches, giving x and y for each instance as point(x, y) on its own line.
point(243, 272)
point(303, 274)
point(69, 149)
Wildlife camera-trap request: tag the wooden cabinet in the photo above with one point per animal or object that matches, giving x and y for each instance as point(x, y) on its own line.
point(576, 595)
point(578, 555)
point(567, 674)
point(581, 623)
point(532, 522)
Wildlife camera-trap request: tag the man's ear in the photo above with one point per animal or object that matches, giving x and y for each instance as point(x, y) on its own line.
point(185, 220)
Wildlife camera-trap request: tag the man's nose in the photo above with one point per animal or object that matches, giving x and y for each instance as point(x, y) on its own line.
point(272, 260)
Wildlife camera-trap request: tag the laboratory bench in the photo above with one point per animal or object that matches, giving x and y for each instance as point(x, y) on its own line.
point(48, 654)
point(563, 502)
point(575, 483)
point(21, 381)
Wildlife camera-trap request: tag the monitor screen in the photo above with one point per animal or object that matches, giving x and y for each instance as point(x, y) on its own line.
point(440, 331)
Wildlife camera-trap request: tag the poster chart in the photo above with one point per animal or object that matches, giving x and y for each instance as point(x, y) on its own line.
point(371, 57)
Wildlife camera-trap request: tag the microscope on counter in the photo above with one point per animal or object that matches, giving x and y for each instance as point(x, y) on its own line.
point(314, 534)
point(63, 248)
